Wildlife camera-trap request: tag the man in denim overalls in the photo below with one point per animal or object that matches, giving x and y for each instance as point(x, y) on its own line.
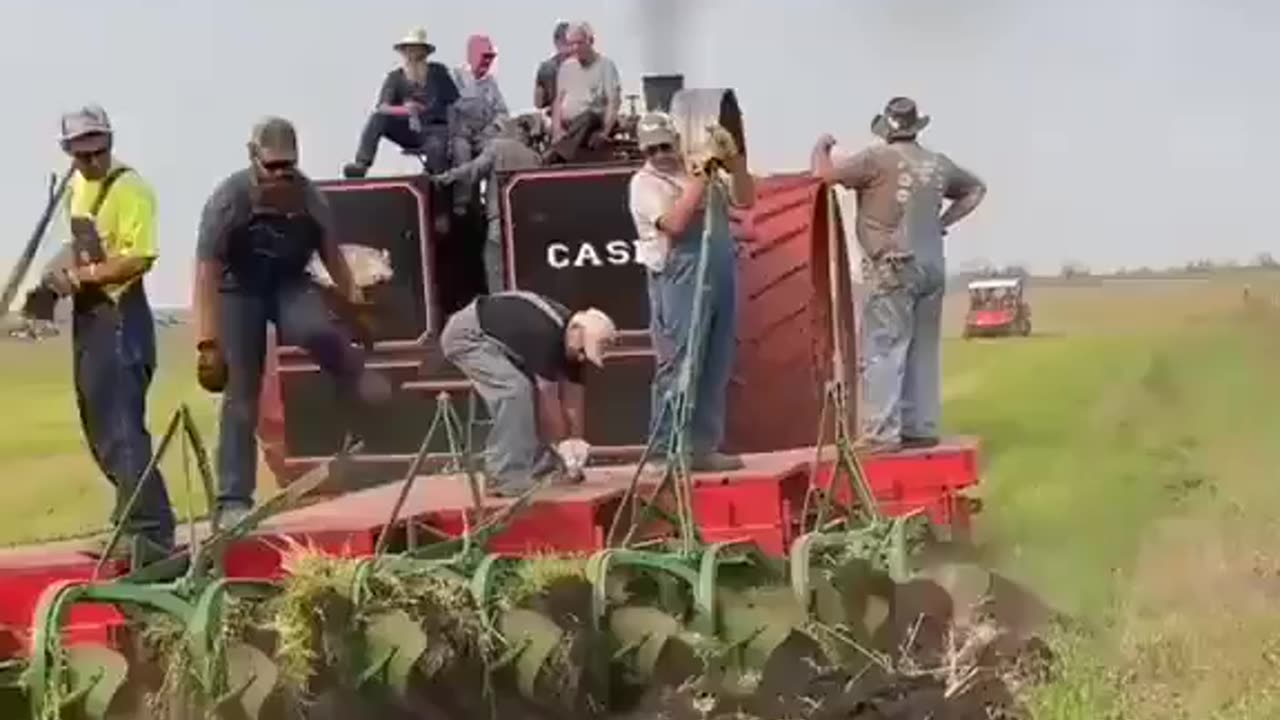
point(901, 186)
point(668, 202)
point(259, 230)
point(112, 218)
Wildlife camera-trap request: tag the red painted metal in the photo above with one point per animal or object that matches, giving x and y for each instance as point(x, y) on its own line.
point(760, 503)
point(991, 318)
point(931, 479)
point(25, 574)
point(784, 323)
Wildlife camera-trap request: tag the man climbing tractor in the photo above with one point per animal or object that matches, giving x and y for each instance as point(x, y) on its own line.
point(900, 187)
point(511, 148)
point(258, 231)
point(113, 227)
point(508, 344)
point(668, 196)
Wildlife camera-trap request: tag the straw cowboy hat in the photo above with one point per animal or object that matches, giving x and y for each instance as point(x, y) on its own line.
point(416, 36)
point(901, 118)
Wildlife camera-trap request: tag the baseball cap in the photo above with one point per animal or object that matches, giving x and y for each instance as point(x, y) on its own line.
point(87, 120)
point(655, 128)
point(598, 332)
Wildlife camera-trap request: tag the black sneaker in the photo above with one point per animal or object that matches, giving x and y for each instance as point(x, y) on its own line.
point(909, 442)
point(354, 170)
point(505, 491)
point(128, 547)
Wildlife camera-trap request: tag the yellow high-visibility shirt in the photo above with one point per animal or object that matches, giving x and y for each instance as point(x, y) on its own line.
point(126, 221)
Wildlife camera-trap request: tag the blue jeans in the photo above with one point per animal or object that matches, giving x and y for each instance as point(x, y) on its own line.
point(431, 139)
point(114, 359)
point(901, 351)
point(301, 318)
point(671, 294)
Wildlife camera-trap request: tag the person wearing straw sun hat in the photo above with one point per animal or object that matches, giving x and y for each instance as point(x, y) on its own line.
point(413, 108)
point(900, 187)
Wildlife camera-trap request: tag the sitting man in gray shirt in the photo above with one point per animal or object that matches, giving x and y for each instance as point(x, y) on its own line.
point(544, 81)
point(588, 97)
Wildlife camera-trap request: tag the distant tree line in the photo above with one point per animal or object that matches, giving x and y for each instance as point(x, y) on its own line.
point(1072, 269)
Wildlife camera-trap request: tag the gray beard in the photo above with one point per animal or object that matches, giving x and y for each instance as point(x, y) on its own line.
point(416, 72)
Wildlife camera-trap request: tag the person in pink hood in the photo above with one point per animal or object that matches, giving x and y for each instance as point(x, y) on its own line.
point(480, 105)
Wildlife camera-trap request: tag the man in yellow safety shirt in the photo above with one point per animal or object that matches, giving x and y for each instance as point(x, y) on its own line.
point(113, 225)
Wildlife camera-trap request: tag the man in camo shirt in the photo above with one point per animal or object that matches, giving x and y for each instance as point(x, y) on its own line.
point(900, 187)
point(473, 117)
point(544, 82)
point(509, 149)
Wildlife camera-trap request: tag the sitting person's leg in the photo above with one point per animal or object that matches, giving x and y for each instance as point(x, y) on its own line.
point(577, 136)
point(379, 125)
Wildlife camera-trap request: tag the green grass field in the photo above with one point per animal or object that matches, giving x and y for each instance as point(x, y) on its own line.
point(1128, 448)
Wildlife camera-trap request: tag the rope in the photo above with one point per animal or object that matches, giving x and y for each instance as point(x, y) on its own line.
point(835, 401)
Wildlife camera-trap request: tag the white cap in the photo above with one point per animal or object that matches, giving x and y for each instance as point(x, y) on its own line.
point(88, 120)
point(655, 128)
point(598, 332)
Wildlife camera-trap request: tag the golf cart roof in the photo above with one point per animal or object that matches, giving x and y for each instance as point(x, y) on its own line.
point(993, 283)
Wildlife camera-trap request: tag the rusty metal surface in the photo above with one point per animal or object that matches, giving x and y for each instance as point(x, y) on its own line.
point(784, 344)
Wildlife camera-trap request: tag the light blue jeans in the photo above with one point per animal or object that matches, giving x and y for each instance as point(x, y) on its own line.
point(901, 350)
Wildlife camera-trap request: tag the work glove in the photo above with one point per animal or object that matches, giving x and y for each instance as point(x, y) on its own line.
point(211, 366)
point(573, 453)
point(703, 164)
point(720, 144)
point(40, 304)
point(61, 280)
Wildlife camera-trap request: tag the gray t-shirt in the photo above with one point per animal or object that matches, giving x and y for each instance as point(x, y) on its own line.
point(231, 205)
point(591, 88)
point(900, 188)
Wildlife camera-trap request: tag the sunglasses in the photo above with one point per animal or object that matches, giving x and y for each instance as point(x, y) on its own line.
point(278, 165)
point(662, 148)
point(89, 155)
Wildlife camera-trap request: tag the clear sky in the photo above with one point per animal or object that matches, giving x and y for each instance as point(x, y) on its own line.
point(1127, 132)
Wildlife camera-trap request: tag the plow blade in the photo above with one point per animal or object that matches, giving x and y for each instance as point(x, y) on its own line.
point(763, 631)
point(540, 648)
point(95, 675)
point(252, 678)
point(394, 645)
point(650, 647)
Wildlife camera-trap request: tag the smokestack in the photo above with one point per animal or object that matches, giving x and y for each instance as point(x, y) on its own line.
point(664, 27)
point(659, 89)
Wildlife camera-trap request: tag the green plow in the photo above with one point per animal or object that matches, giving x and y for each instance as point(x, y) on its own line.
point(185, 592)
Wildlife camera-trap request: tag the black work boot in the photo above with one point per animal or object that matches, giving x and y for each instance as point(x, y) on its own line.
point(716, 462)
point(129, 547)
